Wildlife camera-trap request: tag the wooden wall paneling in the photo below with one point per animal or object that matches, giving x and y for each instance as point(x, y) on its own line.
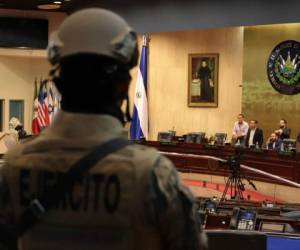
point(168, 76)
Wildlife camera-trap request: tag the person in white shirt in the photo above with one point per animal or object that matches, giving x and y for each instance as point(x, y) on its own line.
point(240, 130)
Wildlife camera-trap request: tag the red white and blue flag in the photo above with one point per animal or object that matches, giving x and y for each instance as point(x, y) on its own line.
point(41, 117)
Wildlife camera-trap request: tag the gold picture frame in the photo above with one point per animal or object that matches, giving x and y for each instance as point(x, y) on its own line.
point(203, 82)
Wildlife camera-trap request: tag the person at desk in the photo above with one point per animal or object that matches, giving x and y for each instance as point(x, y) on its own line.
point(240, 130)
point(254, 135)
point(274, 142)
point(284, 132)
point(16, 128)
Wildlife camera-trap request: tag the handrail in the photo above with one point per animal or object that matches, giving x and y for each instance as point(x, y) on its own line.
point(261, 172)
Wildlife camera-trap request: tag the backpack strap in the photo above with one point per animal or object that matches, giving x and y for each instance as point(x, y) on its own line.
point(51, 196)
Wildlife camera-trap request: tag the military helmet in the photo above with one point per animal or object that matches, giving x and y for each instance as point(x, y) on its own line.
point(94, 31)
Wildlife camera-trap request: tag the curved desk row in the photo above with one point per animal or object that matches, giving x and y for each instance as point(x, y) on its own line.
point(284, 166)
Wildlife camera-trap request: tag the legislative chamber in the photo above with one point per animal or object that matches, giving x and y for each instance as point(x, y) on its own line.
point(248, 210)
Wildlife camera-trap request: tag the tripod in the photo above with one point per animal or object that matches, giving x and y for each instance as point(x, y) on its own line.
point(234, 182)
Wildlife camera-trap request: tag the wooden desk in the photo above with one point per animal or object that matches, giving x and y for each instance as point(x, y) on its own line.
point(285, 166)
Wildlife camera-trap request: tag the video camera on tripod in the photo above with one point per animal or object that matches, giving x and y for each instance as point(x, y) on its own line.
point(233, 162)
point(234, 182)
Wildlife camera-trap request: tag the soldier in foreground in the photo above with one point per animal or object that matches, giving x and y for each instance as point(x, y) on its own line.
point(130, 199)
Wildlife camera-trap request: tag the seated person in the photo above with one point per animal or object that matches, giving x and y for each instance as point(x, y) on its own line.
point(21, 132)
point(17, 128)
point(274, 142)
point(240, 130)
point(254, 135)
point(284, 132)
point(13, 123)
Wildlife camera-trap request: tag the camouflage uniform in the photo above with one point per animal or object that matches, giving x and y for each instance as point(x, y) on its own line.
point(132, 199)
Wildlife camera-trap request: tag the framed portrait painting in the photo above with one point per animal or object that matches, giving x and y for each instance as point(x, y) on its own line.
point(203, 80)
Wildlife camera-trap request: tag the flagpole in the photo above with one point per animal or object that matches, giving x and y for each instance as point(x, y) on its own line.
point(34, 122)
point(146, 42)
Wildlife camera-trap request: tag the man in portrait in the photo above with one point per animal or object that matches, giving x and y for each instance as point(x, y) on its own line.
point(206, 84)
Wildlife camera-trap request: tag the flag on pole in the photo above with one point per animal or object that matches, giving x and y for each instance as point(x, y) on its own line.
point(35, 124)
point(41, 118)
point(53, 101)
point(139, 124)
point(56, 100)
point(51, 98)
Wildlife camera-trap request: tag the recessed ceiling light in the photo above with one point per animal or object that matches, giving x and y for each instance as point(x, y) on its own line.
point(48, 6)
point(57, 2)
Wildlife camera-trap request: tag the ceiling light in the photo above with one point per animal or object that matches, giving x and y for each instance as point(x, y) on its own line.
point(48, 6)
point(57, 2)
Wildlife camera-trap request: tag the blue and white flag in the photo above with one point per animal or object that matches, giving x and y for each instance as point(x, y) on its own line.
point(139, 124)
point(53, 101)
